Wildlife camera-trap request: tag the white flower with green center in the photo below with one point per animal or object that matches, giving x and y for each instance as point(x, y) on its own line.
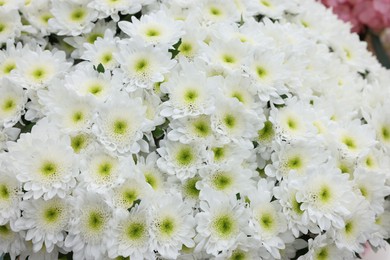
point(156, 28)
point(39, 68)
point(323, 247)
point(326, 196)
point(10, 25)
point(47, 165)
point(233, 123)
point(89, 229)
point(72, 18)
point(113, 7)
point(228, 179)
point(86, 81)
point(152, 174)
point(102, 52)
point(126, 194)
point(213, 12)
point(219, 153)
point(222, 224)
point(372, 186)
point(10, 194)
point(11, 242)
point(190, 93)
point(181, 160)
point(45, 222)
point(12, 103)
point(142, 66)
point(172, 225)
point(296, 156)
point(120, 124)
point(101, 171)
point(130, 236)
point(381, 124)
point(241, 89)
point(191, 129)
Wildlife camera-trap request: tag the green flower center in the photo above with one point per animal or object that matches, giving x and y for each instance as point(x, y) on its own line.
point(77, 116)
point(229, 121)
point(227, 58)
point(266, 221)
point(8, 68)
point(224, 226)
point(52, 214)
point(267, 132)
point(120, 127)
point(4, 192)
point(261, 72)
point(46, 17)
point(219, 153)
point(385, 133)
point(39, 73)
point(238, 255)
point(185, 156)
point(152, 32)
point(296, 206)
point(93, 37)
point(129, 196)
point(136, 231)
point(202, 127)
point(190, 187)
point(106, 58)
point(191, 95)
point(167, 226)
point(8, 104)
point(78, 142)
point(265, 3)
point(222, 181)
point(105, 169)
point(78, 15)
point(350, 143)
point(96, 221)
point(215, 11)
point(2, 27)
point(349, 227)
point(185, 48)
point(141, 65)
point(4, 230)
point(239, 96)
point(325, 194)
point(363, 191)
point(95, 89)
point(322, 254)
point(292, 124)
point(49, 169)
point(149, 178)
point(294, 163)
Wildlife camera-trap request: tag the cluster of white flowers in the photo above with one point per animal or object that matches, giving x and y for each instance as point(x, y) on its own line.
point(189, 129)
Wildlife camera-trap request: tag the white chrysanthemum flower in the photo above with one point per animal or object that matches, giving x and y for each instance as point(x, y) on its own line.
point(233, 123)
point(45, 222)
point(10, 25)
point(219, 153)
point(152, 174)
point(297, 156)
point(228, 179)
point(297, 219)
point(38, 14)
point(11, 242)
point(372, 186)
point(222, 224)
point(46, 163)
point(38, 68)
point(9, 57)
point(181, 160)
point(10, 193)
point(156, 29)
point(326, 196)
point(191, 129)
point(190, 92)
point(267, 220)
point(65, 108)
point(86, 81)
point(12, 102)
point(89, 227)
point(130, 236)
point(225, 55)
point(142, 66)
point(72, 18)
point(102, 51)
point(358, 226)
point(172, 225)
point(113, 7)
point(214, 11)
point(380, 121)
point(120, 124)
point(101, 171)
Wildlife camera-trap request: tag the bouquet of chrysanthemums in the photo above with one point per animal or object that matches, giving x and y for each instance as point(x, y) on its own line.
point(189, 129)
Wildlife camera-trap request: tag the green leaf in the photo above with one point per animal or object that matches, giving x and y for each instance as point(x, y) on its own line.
point(100, 68)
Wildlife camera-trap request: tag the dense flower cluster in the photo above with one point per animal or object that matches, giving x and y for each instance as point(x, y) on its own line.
point(374, 14)
point(198, 129)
